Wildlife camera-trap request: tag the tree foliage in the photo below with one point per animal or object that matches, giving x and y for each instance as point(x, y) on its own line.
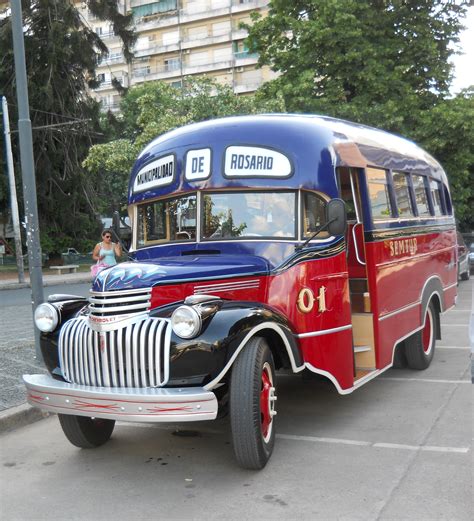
point(150, 109)
point(383, 63)
point(61, 53)
point(447, 131)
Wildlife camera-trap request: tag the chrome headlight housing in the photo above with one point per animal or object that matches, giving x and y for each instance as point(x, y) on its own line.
point(186, 322)
point(46, 318)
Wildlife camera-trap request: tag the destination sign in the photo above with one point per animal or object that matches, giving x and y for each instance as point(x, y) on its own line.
point(245, 161)
point(157, 173)
point(198, 164)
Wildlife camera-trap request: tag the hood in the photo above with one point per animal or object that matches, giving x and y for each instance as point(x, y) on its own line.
point(137, 275)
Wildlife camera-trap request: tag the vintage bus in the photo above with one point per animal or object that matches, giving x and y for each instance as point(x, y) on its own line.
point(260, 243)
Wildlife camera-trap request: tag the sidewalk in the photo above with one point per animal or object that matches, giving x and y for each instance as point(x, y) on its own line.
point(10, 280)
point(17, 349)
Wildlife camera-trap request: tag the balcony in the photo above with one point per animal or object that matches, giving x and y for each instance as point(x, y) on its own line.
point(151, 13)
point(242, 88)
point(110, 60)
point(245, 58)
point(215, 8)
point(112, 106)
point(106, 84)
point(148, 73)
point(192, 42)
point(156, 49)
point(200, 68)
point(107, 36)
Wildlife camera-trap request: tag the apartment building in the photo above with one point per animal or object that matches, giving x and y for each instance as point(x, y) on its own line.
point(181, 38)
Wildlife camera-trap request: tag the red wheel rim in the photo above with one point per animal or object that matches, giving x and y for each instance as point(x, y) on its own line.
point(267, 401)
point(427, 334)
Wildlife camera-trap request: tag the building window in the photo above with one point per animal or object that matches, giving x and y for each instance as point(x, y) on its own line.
point(379, 194)
point(172, 64)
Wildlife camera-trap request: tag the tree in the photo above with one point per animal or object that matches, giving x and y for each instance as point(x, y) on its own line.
point(359, 58)
point(447, 131)
point(150, 109)
point(383, 63)
point(61, 55)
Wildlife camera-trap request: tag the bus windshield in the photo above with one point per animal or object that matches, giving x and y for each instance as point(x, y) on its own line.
point(167, 220)
point(238, 215)
point(224, 215)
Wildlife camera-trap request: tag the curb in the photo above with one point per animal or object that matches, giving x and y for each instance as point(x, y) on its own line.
point(18, 285)
point(20, 416)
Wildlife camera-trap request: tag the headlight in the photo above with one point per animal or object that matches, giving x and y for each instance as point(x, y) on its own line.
point(186, 322)
point(46, 318)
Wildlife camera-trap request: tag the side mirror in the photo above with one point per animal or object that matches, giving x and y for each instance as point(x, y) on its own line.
point(336, 217)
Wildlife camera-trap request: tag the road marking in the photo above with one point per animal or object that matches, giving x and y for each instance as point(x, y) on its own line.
point(377, 445)
point(467, 348)
point(443, 324)
point(317, 439)
point(430, 380)
point(427, 448)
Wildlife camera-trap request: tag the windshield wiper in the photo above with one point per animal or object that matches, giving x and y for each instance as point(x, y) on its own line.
point(318, 230)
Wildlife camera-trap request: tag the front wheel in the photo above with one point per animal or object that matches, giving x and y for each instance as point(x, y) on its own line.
point(419, 348)
point(252, 405)
point(84, 432)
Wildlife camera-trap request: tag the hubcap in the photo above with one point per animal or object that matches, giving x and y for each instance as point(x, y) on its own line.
point(427, 335)
point(267, 402)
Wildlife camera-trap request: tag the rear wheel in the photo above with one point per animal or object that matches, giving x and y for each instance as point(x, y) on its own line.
point(466, 275)
point(252, 405)
point(85, 432)
point(419, 348)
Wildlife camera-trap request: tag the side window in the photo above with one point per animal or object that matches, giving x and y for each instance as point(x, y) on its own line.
point(402, 195)
point(344, 176)
point(378, 194)
point(421, 196)
point(435, 188)
point(314, 214)
point(447, 200)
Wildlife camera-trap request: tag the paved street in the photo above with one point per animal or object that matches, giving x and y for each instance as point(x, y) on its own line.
point(17, 351)
point(397, 449)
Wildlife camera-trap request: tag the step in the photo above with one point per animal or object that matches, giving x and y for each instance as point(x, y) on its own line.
point(362, 349)
point(362, 373)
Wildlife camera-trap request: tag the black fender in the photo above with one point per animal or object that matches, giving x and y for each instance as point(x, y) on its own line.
point(67, 306)
point(433, 290)
point(206, 359)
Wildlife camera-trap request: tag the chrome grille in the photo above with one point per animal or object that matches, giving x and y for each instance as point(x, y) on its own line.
point(133, 356)
point(130, 302)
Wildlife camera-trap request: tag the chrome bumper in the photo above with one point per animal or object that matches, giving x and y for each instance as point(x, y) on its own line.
point(151, 405)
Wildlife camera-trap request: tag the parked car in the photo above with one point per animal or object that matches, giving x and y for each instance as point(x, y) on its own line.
point(70, 255)
point(463, 259)
point(471, 256)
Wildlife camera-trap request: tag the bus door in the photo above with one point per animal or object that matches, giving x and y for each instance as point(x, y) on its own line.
point(361, 310)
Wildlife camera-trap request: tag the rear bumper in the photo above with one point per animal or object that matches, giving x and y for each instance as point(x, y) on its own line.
point(151, 405)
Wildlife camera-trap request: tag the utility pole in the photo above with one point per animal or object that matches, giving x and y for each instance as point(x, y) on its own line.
point(27, 166)
point(13, 198)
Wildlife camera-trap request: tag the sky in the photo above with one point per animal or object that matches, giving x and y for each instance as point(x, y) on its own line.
point(464, 64)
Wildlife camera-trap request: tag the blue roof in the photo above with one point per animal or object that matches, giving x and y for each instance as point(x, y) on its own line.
point(314, 145)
